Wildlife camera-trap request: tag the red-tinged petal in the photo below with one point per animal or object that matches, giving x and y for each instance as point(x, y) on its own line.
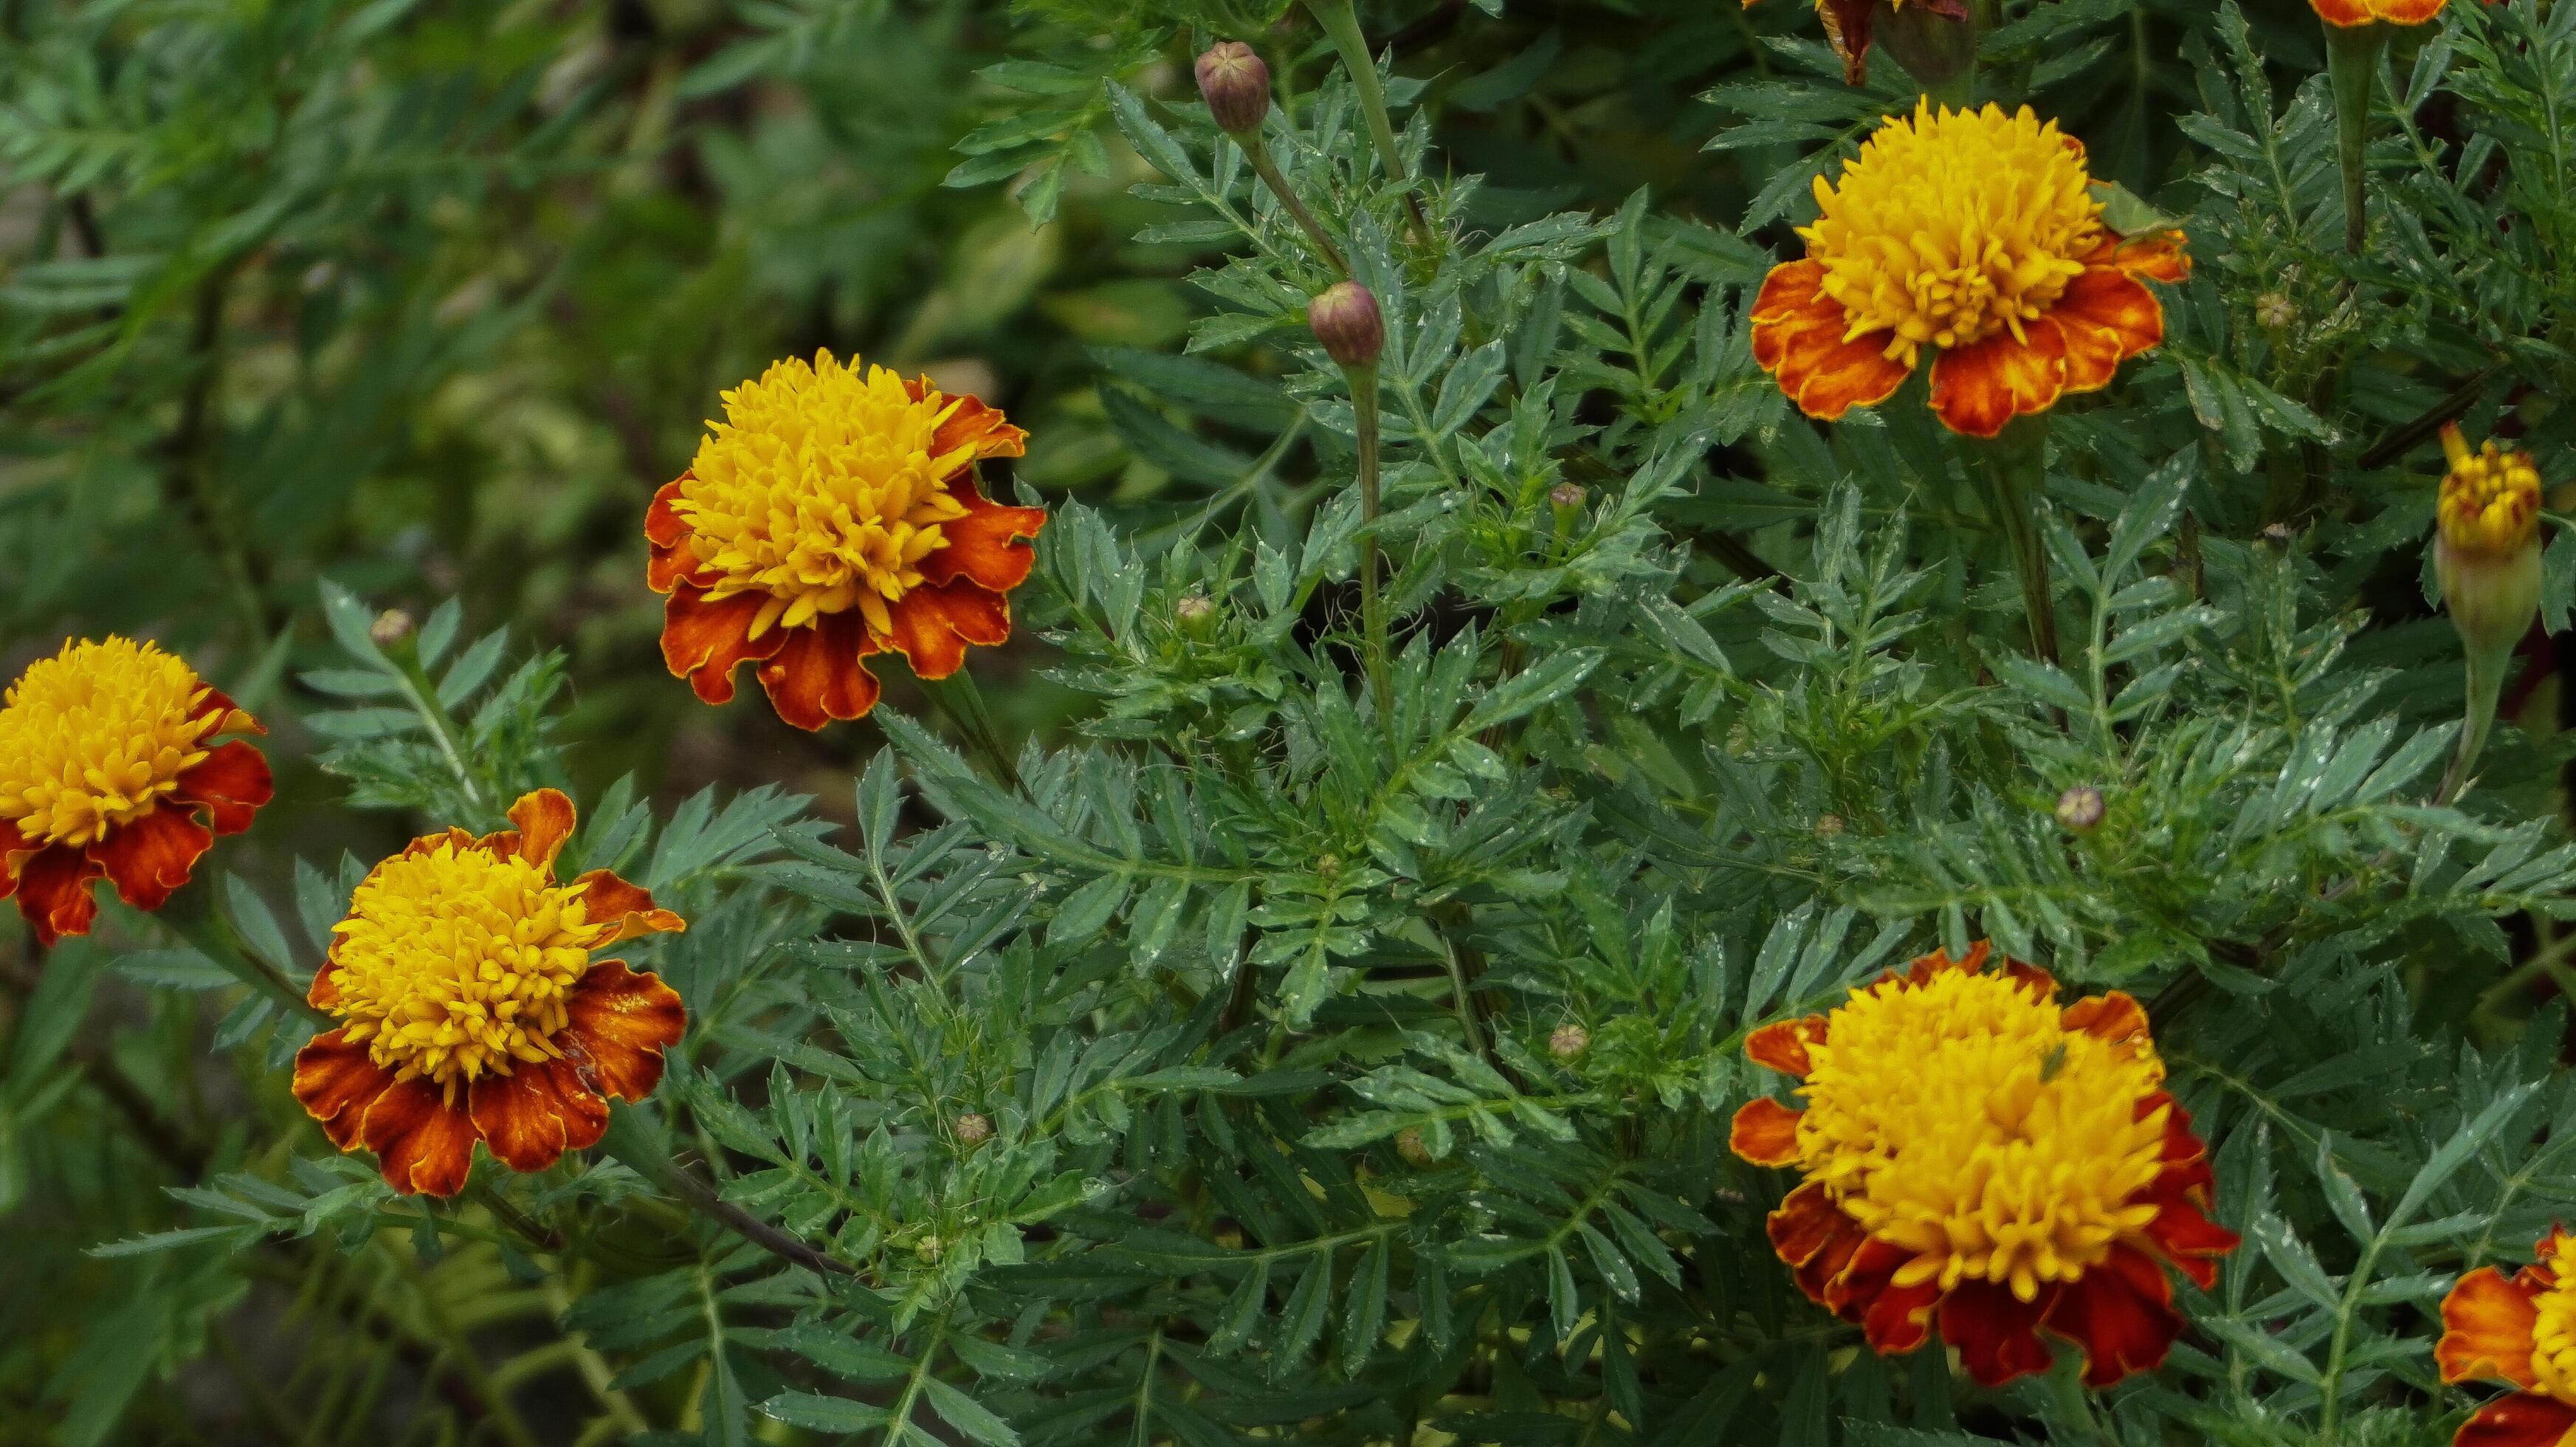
point(2148, 256)
point(2525, 1419)
point(150, 855)
point(1900, 1318)
point(2114, 1018)
point(704, 641)
point(1847, 31)
point(545, 819)
point(1978, 388)
point(619, 1023)
point(2120, 1314)
point(663, 525)
point(1855, 1288)
point(1923, 967)
point(1798, 338)
point(337, 1082)
point(2406, 12)
point(2344, 13)
point(326, 983)
point(1782, 1044)
point(2108, 316)
point(933, 625)
point(423, 1144)
point(2035, 982)
point(1765, 1132)
point(606, 897)
point(2187, 1237)
point(53, 891)
point(1803, 1224)
point(532, 1115)
point(970, 423)
point(987, 545)
point(816, 675)
point(2487, 1323)
point(233, 783)
point(1995, 1331)
point(214, 700)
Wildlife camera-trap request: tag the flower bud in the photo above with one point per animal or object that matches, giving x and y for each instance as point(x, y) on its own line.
point(973, 1129)
point(1410, 1145)
point(1933, 45)
point(1568, 1041)
point(1346, 320)
point(1236, 86)
point(1565, 496)
point(2273, 312)
point(1829, 826)
point(392, 626)
point(2486, 550)
point(2080, 808)
point(1194, 612)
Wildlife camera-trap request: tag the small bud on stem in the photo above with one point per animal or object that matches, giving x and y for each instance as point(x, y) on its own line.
point(1236, 85)
point(2079, 809)
point(1346, 320)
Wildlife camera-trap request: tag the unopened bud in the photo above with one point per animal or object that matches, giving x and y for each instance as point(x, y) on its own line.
point(391, 626)
point(1346, 320)
point(2273, 312)
point(1568, 1041)
point(1236, 86)
point(1194, 612)
point(1410, 1145)
point(1829, 826)
point(2486, 548)
point(973, 1129)
point(2080, 808)
point(1565, 496)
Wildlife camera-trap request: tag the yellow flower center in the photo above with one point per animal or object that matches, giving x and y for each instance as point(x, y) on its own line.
point(455, 962)
point(820, 489)
point(2490, 498)
point(1959, 1119)
point(2553, 1338)
point(95, 736)
point(1950, 226)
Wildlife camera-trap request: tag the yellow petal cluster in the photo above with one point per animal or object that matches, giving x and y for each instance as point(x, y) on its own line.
point(96, 735)
point(455, 962)
point(1950, 226)
point(2490, 503)
point(1961, 1120)
point(2553, 1337)
point(821, 490)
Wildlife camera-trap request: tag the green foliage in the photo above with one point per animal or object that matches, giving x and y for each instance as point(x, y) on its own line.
point(1182, 1047)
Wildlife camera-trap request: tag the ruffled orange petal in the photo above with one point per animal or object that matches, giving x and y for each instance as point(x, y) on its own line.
point(545, 819)
point(423, 1144)
point(933, 625)
point(337, 1082)
point(1806, 1220)
point(326, 982)
point(971, 423)
point(2186, 1236)
point(619, 1022)
point(1765, 1132)
point(2406, 12)
point(2113, 1017)
point(988, 544)
point(2120, 1314)
point(1782, 1044)
point(149, 856)
point(2346, 13)
point(214, 700)
point(532, 1115)
point(816, 675)
point(1996, 1332)
point(53, 892)
point(2148, 256)
point(704, 642)
point(1978, 388)
point(2035, 982)
point(232, 782)
point(1895, 1319)
point(606, 897)
point(2487, 1323)
point(2525, 1419)
point(1923, 967)
point(1798, 338)
point(2108, 316)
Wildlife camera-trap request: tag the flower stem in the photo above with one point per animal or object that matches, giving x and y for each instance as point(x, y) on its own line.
point(1257, 151)
point(2015, 464)
point(190, 914)
point(1363, 382)
point(2487, 668)
point(633, 1139)
point(1342, 26)
point(2352, 64)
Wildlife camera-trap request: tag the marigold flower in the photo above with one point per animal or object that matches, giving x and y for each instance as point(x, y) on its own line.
point(110, 769)
point(475, 1010)
point(834, 514)
point(1975, 234)
point(2487, 548)
point(2520, 1330)
point(1977, 1155)
point(2349, 13)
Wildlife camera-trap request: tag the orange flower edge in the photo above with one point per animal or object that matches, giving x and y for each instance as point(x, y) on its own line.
point(473, 1008)
point(836, 515)
point(2088, 1120)
point(114, 766)
point(2519, 1330)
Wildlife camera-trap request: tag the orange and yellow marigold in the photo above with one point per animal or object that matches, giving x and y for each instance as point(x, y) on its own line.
point(833, 514)
point(1979, 1158)
point(2349, 13)
point(475, 1011)
point(2522, 1331)
point(113, 766)
point(1973, 235)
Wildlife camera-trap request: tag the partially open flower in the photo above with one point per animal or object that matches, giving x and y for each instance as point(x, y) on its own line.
point(1973, 235)
point(2487, 549)
point(834, 514)
point(1980, 1157)
point(475, 1011)
point(111, 768)
point(2522, 1331)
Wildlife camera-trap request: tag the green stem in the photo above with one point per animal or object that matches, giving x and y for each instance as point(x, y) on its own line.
point(2487, 668)
point(1363, 382)
point(1342, 26)
point(2015, 463)
point(190, 914)
point(1257, 151)
point(2066, 1386)
point(634, 1138)
point(2352, 63)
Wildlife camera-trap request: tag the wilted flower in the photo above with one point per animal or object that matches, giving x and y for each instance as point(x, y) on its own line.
point(110, 769)
point(834, 514)
point(2487, 551)
point(1978, 1156)
point(474, 1009)
point(1974, 234)
point(2520, 1330)
point(1346, 320)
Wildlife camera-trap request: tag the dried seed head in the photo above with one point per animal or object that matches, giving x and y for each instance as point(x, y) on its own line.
point(1346, 320)
point(1236, 86)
